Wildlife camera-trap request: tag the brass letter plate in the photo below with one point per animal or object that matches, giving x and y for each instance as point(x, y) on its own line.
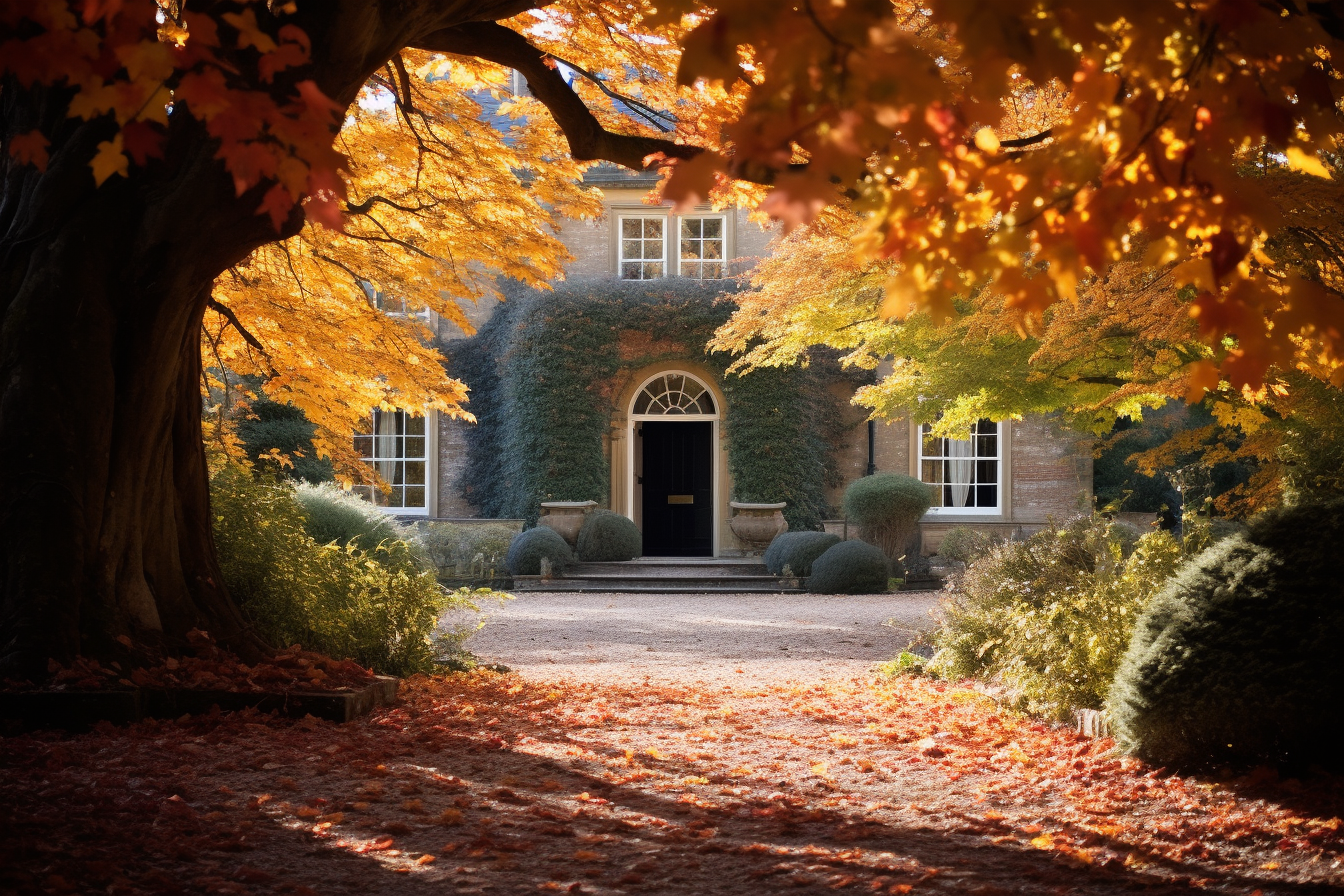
point(681, 499)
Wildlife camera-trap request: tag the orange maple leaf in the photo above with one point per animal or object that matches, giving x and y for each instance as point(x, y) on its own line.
point(31, 149)
point(109, 160)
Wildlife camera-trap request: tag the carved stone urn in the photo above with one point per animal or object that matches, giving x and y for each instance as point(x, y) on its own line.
point(565, 517)
point(756, 525)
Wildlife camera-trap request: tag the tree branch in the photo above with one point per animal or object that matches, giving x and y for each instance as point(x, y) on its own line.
point(227, 313)
point(588, 140)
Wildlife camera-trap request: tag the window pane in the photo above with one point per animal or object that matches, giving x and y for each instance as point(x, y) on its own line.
point(653, 271)
point(630, 270)
point(690, 249)
point(415, 496)
point(415, 446)
point(630, 227)
point(713, 228)
point(415, 426)
point(632, 249)
point(712, 249)
point(691, 227)
point(364, 446)
point(932, 471)
point(711, 270)
point(415, 472)
point(653, 228)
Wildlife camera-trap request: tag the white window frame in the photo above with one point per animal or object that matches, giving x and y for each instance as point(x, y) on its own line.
point(723, 244)
point(401, 458)
point(621, 260)
point(1000, 464)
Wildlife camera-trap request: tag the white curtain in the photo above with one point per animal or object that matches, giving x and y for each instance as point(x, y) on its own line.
point(960, 468)
point(385, 446)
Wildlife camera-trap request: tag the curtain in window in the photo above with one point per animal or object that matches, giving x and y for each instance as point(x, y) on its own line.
point(385, 446)
point(960, 469)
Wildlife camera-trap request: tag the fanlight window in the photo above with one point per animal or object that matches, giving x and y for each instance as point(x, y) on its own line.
point(674, 393)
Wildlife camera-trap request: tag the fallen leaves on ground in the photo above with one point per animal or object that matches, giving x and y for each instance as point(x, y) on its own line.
point(487, 782)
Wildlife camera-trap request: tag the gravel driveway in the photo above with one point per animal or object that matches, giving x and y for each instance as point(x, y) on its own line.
point(700, 637)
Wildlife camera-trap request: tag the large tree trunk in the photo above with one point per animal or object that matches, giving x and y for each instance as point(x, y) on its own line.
point(105, 527)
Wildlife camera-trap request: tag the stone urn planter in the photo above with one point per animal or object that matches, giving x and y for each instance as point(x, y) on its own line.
point(565, 517)
point(756, 525)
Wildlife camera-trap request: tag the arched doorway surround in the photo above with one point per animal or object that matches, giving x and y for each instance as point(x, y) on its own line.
point(672, 422)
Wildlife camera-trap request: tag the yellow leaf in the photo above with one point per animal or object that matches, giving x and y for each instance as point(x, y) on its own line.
point(986, 140)
point(1307, 163)
point(109, 160)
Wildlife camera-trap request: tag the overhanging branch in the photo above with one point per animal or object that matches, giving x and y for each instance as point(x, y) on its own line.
point(588, 140)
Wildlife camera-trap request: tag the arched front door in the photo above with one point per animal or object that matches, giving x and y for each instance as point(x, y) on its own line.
point(675, 420)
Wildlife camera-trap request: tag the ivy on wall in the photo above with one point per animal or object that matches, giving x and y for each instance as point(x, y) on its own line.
point(544, 369)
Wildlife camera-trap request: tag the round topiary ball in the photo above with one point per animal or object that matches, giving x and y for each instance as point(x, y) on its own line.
point(850, 567)
point(798, 551)
point(887, 507)
point(608, 536)
point(527, 549)
point(1239, 660)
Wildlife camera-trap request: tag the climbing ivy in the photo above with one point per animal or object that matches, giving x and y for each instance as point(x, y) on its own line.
point(542, 370)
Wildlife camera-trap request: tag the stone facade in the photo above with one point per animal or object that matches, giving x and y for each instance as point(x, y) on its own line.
point(1047, 471)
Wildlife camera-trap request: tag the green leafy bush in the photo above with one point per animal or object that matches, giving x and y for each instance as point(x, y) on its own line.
point(334, 515)
point(887, 507)
point(272, 426)
point(850, 567)
point(607, 536)
point(336, 599)
point(964, 544)
point(798, 551)
point(528, 548)
point(1051, 616)
point(1239, 659)
point(465, 550)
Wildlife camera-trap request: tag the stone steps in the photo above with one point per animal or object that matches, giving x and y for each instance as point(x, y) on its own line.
point(665, 575)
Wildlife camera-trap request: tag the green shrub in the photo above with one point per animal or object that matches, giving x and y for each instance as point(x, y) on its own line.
point(798, 551)
point(964, 544)
point(335, 599)
point(334, 515)
point(850, 567)
point(465, 550)
point(1051, 616)
point(887, 507)
point(528, 548)
point(1239, 659)
point(607, 536)
point(272, 426)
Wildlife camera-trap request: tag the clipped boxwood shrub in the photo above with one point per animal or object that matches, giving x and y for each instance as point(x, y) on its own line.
point(887, 507)
point(527, 549)
point(334, 515)
point(798, 551)
point(850, 567)
point(1238, 661)
point(465, 550)
point(608, 536)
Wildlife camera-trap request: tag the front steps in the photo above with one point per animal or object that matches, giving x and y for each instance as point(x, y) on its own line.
point(666, 575)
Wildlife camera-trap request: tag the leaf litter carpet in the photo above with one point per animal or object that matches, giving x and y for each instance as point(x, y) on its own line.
point(729, 782)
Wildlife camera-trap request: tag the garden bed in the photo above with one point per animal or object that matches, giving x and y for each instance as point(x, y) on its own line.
point(80, 710)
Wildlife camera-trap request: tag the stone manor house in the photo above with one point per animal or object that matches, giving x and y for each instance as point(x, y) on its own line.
point(665, 451)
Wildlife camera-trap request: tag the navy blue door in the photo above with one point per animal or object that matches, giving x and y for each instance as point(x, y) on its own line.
point(678, 489)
